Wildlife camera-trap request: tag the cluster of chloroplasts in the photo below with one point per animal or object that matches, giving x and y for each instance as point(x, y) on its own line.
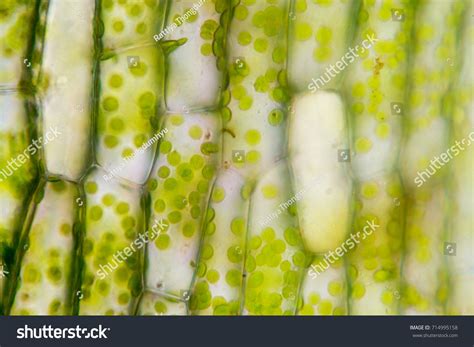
point(48, 279)
point(113, 219)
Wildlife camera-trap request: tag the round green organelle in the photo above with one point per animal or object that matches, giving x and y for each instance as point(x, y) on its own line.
point(31, 274)
point(110, 103)
point(201, 298)
point(115, 81)
point(275, 117)
point(270, 19)
point(111, 141)
point(208, 28)
point(206, 49)
point(233, 278)
point(278, 246)
point(140, 70)
point(253, 137)
point(185, 171)
point(141, 28)
point(208, 171)
point(163, 171)
point(244, 38)
point(201, 270)
point(203, 186)
point(300, 6)
point(245, 103)
point(218, 194)
point(197, 161)
point(165, 147)
point(127, 153)
point(194, 198)
point(103, 287)
point(278, 55)
point(268, 234)
point(162, 241)
point(170, 183)
point(238, 92)
point(130, 234)
point(177, 119)
point(255, 242)
point(91, 187)
point(174, 217)
point(280, 94)
point(123, 298)
point(54, 307)
point(261, 84)
point(88, 246)
point(146, 100)
point(135, 10)
point(260, 45)
point(189, 229)
point(207, 252)
point(303, 31)
point(237, 226)
point(234, 254)
point(208, 148)
point(117, 124)
point(122, 207)
point(213, 276)
point(108, 237)
point(128, 222)
point(241, 12)
point(250, 264)
point(195, 212)
point(180, 201)
point(240, 68)
point(210, 229)
point(139, 140)
point(195, 132)
point(108, 199)
point(299, 259)
point(174, 158)
point(256, 279)
point(291, 236)
point(95, 213)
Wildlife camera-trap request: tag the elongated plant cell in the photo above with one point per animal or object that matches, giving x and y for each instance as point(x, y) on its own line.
point(236, 157)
